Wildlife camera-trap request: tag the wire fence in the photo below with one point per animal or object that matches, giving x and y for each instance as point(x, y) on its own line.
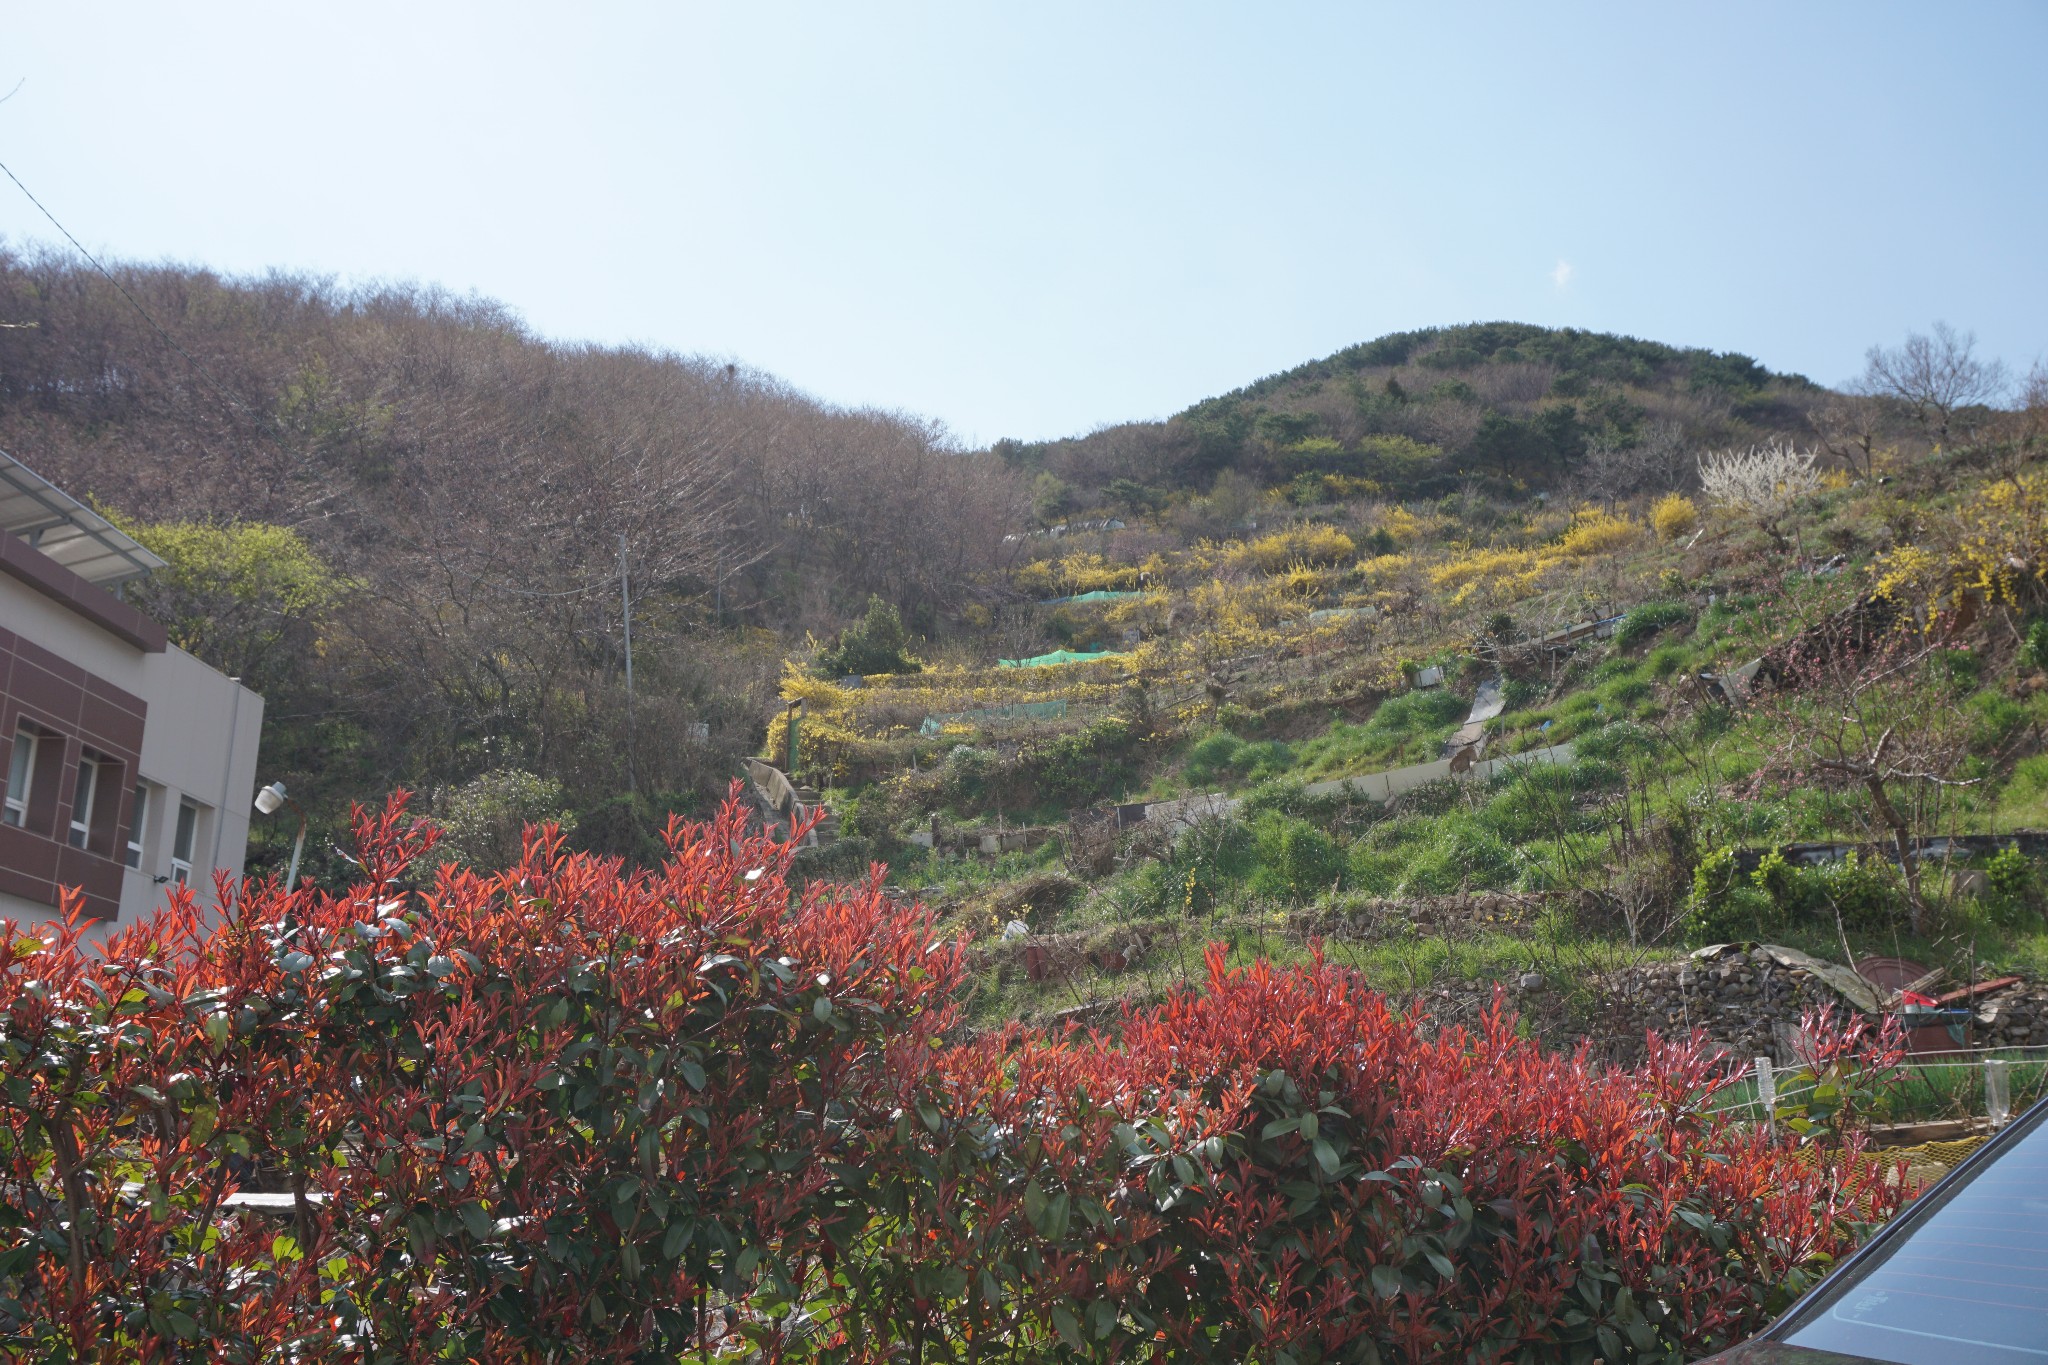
point(1757, 1092)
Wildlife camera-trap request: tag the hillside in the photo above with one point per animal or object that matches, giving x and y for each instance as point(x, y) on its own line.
point(400, 515)
point(1503, 406)
point(1482, 736)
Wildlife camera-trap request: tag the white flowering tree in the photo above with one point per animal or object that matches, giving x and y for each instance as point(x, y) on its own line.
point(1762, 482)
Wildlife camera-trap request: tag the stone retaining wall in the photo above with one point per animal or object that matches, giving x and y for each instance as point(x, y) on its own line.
point(1752, 1004)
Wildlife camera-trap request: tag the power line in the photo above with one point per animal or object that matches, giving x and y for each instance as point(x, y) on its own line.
point(134, 303)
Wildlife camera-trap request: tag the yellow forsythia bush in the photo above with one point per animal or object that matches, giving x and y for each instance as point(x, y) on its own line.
point(1402, 525)
point(1995, 547)
point(1674, 515)
point(1078, 572)
point(1594, 532)
point(1305, 544)
point(1477, 565)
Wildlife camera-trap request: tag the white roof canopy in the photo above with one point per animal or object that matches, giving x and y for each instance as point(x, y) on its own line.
point(37, 511)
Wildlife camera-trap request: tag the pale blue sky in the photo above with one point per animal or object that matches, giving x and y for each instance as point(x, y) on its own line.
point(1030, 219)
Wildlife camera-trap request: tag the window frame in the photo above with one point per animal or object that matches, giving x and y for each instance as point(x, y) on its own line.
point(138, 817)
point(184, 836)
point(21, 762)
point(85, 794)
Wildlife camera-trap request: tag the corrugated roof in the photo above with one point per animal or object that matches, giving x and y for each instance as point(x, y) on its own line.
point(60, 526)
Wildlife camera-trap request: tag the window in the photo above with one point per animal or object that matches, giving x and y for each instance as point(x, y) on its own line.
point(81, 800)
point(183, 841)
point(21, 770)
point(136, 824)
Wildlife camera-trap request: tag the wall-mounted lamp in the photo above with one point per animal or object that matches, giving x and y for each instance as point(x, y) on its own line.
point(268, 802)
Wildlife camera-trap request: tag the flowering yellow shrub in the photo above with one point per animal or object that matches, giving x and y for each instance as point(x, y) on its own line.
point(1403, 525)
point(818, 696)
point(1594, 532)
point(1145, 613)
point(1908, 574)
point(1303, 581)
point(1381, 569)
point(1674, 515)
point(1348, 487)
point(1476, 565)
point(1078, 572)
point(1305, 544)
point(1260, 602)
point(1996, 546)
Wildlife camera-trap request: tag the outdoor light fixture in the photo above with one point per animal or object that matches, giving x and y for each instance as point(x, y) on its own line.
point(268, 802)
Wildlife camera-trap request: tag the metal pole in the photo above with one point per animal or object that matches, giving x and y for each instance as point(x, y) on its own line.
point(626, 603)
point(796, 711)
point(291, 877)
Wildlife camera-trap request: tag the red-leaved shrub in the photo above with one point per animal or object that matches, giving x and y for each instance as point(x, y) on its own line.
point(569, 1112)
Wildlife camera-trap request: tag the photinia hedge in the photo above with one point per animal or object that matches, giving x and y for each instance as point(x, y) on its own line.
point(570, 1112)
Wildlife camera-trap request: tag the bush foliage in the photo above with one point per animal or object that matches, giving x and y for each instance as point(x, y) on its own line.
point(565, 1113)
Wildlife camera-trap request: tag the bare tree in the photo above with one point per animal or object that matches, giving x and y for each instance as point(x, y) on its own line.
point(1763, 482)
point(1870, 712)
point(2030, 420)
point(1937, 375)
point(1653, 462)
point(1851, 426)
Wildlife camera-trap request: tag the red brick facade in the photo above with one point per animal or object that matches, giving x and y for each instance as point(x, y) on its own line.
point(73, 712)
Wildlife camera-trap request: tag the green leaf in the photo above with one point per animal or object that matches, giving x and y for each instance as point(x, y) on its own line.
point(1386, 1281)
point(1308, 1126)
point(1034, 1205)
point(477, 1220)
point(1326, 1157)
point(1057, 1212)
point(1069, 1330)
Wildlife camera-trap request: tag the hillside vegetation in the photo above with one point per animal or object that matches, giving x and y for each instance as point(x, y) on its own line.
point(399, 514)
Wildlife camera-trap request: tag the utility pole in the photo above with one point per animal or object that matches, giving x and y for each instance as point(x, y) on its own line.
point(626, 603)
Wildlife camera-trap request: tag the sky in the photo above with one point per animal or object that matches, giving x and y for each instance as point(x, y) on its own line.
point(1030, 220)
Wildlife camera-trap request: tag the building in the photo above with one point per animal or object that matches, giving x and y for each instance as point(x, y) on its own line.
point(129, 764)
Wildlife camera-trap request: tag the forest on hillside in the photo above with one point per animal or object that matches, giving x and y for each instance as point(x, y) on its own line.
point(1499, 407)
point(398, 514)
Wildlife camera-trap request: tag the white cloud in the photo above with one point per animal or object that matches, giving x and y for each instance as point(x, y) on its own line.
point(1562, 276)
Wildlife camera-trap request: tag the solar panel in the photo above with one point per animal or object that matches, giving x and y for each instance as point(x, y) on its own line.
point(1968, 1283)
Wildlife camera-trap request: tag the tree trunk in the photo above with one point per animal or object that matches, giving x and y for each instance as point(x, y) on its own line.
point(1902, 841)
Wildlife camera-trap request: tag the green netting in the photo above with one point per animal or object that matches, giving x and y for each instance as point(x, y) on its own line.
point(1059, 656)
point(1099, 595)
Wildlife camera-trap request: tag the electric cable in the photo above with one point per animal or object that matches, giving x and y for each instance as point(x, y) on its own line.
point(133, 302)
